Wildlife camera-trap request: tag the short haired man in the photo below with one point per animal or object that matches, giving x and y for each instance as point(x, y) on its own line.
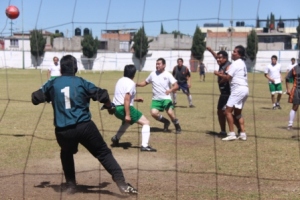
point(125, 91)
point(161, 99)
point(224, 87)
point(54, 70)
point(183, 76)
point(70, 96)
point(237, 75)
point(273, 74)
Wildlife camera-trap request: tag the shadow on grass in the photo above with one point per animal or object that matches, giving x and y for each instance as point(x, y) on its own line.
point(82, 188)
point(156, 129)
point(266, 108)
point(124, 145)
point(215, 134)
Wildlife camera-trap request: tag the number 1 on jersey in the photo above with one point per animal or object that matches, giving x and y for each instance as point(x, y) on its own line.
point(66, 92)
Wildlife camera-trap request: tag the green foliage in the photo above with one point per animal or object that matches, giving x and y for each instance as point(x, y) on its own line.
point(298, 31)
point(252, 45)
point(268, 22)
point(141, 43)
point(56, 35)
point(257, 22)
point(37, 43)
point(89, 45)
point(272, 23)
point(162, 30)
point(176, 33)
point(198, 46)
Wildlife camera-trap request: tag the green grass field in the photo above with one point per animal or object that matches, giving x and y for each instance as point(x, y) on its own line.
point(191, 165)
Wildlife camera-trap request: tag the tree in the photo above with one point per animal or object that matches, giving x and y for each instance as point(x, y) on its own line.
point(268, 22)
point(298, 35)
point(198, 46)
point(56, 35)
point(272, 22)
point(257, 22)
point(141, 44)
point(37, 44)
point(252, 45)
point(89, 45)
point(162, 30)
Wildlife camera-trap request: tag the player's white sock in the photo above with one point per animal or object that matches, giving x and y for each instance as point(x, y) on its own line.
point(231, 134)
point(274, 104)
point(145, 135)
point(190, 99)
point(292, 116)
point(122, 130)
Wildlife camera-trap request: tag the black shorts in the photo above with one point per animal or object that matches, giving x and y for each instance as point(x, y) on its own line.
point(184, 87)
point(222, 101)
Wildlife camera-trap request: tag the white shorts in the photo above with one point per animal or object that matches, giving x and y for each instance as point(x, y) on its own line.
point(238, 97)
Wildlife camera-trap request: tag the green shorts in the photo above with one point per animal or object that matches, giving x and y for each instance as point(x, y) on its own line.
point(275, 88)
point(162, 105)
point(53, 77)
point(134, 114)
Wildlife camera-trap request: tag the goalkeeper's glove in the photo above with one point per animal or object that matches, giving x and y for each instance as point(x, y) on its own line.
point(110, 109)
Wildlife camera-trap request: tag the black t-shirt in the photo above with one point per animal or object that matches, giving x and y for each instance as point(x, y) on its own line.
point(224, 87)
point(181, 74)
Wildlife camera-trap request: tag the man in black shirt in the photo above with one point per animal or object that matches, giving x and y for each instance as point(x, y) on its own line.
point(224, 87)
point(183, 76)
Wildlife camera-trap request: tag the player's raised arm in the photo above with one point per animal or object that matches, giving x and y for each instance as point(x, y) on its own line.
point(212, 52)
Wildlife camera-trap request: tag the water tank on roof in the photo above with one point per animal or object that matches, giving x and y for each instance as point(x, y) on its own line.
point(280, 24)
point(86, 31)
point(77, 32)
point(242, 23)
point(238, 23)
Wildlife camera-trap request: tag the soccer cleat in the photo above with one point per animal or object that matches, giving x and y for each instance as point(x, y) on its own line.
point(126, 188)
point(192, 106)
point(178, 129)
point(148, 148)
point(289, 128)
point(166, 126)
point(229, 138)
point(274, 107)
point(115, 141)
point(223, 133)
point(244, 138)
point(278, 106)
point(71, 188)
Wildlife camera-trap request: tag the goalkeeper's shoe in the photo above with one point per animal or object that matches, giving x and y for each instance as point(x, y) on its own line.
point(126, 188)
point(115, 141)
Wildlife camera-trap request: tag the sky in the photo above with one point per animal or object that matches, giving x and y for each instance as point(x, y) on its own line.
point(174, 15)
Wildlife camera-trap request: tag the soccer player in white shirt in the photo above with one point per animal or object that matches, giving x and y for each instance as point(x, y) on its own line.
point(124, 97)
point(161, 100)
point(237, 75)
point(54, 70)
point(273, 74)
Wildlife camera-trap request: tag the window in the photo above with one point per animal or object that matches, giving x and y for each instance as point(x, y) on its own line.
point(14, 43)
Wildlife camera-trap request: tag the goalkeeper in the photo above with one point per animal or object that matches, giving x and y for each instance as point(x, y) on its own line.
point(70, 96)
point(124, 97)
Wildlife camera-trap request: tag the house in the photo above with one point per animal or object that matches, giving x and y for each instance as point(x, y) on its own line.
point(21, 41)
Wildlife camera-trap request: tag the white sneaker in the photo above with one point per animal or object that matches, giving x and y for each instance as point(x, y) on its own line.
point(229, 138)
point(244, 138)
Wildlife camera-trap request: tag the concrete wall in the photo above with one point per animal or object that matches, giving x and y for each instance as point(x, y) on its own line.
point(117, 61)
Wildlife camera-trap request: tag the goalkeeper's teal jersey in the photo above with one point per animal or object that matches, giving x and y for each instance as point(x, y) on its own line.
point(70, 97)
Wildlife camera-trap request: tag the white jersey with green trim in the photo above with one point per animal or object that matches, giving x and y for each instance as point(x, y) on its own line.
point(160, 84)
